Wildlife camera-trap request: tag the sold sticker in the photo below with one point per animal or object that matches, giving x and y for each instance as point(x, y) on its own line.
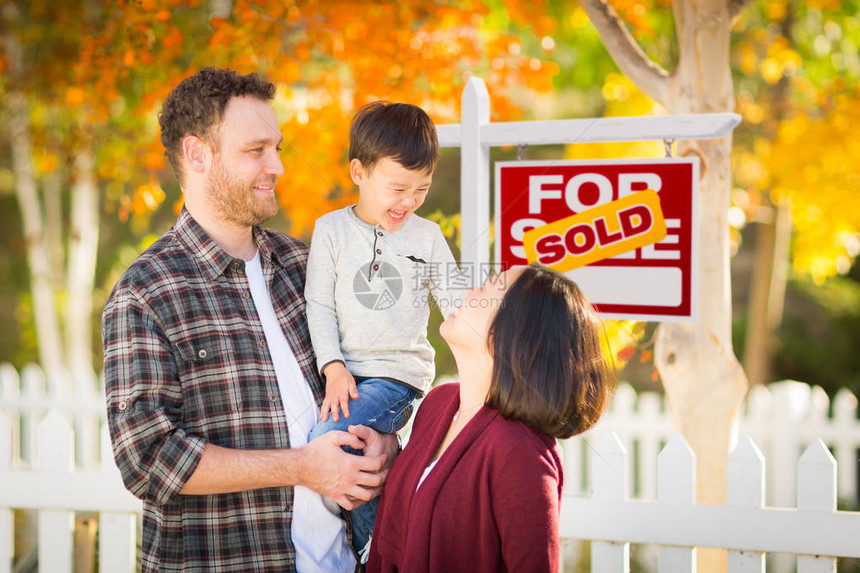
point(599, 233)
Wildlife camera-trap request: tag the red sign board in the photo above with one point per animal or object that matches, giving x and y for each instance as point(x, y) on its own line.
point(654, 282)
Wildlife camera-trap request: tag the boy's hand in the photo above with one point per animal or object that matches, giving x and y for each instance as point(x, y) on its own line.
point(340, 387)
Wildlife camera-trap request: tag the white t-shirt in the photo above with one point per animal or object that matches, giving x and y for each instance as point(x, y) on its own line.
point(426, 473)
point(318, 532)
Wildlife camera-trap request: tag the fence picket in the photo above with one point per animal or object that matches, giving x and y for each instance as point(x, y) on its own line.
point(33, 385)
point(610, 557)
point(845, 445)
point(816, 491)
point(10, 389)
point(56, 452)
point(819, 408)
point(60, 384)
point(791, 401)
point(87, 423)
point(9, 381)
point(609, 483)
point(7, 531)
point(649, 444)
point(624, 406)
point(117, 542)
point(107, 464)
point(608, 470)
point(676, 484)
point(571, 457)
point(816, 478)
point(745, 488)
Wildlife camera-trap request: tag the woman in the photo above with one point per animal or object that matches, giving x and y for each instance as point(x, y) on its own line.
point(479, 485)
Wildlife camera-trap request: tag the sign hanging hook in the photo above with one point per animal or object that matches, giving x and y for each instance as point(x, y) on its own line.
point(521, 151)
point(667, 144)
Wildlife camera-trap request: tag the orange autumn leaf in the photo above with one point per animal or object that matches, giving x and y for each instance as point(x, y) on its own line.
point(626, 353)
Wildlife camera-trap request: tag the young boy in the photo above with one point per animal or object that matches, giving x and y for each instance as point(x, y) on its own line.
point(370, 269)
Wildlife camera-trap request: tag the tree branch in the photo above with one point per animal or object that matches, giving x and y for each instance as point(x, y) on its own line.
point(736, 8)
point(647, 75)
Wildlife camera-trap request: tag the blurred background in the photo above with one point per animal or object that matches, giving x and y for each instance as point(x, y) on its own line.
point(84, 185)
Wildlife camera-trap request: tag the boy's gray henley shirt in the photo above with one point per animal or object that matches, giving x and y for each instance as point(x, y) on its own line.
point(368, 295)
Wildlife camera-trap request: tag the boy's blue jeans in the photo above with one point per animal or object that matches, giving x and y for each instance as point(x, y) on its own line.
point(384, 406)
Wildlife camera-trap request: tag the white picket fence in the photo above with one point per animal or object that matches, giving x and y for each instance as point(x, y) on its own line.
point(783, 419)
point(52, 437)
point(55, 460)
point(815, 531)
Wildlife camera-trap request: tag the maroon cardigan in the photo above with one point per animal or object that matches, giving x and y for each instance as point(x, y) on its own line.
point(491, 503)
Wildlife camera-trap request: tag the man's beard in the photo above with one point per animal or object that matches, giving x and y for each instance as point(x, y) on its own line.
point(235, 201)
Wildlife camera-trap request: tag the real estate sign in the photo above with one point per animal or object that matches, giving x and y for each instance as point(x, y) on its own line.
point(624, 230)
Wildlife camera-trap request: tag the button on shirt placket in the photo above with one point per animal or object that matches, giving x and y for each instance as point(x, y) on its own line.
point(374, 266)
point(239, 268)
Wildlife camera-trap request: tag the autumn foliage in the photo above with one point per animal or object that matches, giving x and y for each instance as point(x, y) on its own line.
point(110, 67)
point(94, 75)
point(97, 74)
point(799, 100)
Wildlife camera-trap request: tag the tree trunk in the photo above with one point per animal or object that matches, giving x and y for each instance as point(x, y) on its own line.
point(83, 248)
point(44, 307)
point(767, 296)
point(704, 382)
point(52, 184)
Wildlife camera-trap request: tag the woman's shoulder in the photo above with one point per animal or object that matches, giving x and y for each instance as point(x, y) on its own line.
point(434, 404)
point(431, 410)
point(513, 437)
point(440, 396)
point(443, 392)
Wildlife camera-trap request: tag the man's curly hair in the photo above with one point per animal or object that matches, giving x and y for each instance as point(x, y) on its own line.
point(196, 107)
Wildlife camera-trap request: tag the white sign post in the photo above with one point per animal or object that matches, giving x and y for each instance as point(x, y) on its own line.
point(476, 134)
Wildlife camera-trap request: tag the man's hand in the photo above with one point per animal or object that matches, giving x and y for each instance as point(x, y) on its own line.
point(348, 479)
point(340, 387)
point(377, 444)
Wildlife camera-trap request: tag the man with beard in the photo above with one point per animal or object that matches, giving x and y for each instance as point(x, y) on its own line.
point(210, 377)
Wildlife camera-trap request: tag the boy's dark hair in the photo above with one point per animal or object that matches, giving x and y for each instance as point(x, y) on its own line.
point(196, 107)
point(549, 370)
point(401, 132)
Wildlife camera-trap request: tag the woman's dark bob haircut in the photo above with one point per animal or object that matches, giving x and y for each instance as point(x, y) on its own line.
point(549, 369)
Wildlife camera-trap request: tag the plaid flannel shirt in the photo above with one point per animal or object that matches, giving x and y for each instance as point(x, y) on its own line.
point(186, 364)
